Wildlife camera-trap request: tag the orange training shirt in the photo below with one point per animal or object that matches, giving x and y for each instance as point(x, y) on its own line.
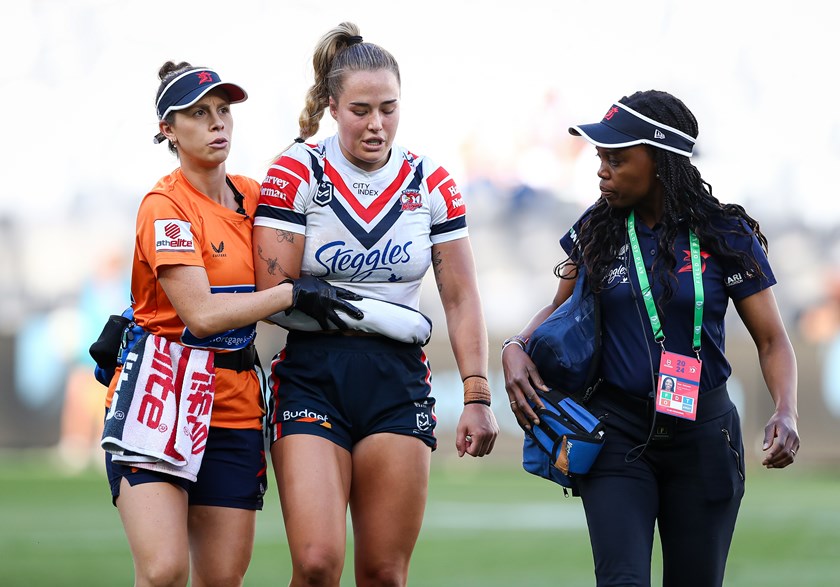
point(178, 225)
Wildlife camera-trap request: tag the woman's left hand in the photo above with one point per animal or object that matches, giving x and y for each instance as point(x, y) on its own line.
point(781, 441)
point(477, 431)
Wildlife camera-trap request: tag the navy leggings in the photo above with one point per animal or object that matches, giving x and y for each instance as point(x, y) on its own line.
point(689, 480)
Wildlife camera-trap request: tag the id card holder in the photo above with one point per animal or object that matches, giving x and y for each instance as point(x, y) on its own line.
point(679, 385)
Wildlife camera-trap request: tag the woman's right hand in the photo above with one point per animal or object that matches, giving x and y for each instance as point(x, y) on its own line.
point(521, 382)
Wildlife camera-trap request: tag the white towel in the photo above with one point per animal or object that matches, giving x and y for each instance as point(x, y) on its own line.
point(388, 319)
point(160, 413)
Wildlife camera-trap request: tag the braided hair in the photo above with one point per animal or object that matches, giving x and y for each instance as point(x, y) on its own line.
point(339, 51)
point(688, 200)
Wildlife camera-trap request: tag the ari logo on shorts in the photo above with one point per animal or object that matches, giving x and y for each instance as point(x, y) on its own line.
point(172, 235)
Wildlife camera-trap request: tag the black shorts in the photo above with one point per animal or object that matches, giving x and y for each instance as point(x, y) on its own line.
point(232, 474)
point(344, 388)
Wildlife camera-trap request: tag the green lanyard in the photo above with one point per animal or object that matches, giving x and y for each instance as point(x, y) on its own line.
point(647, 295)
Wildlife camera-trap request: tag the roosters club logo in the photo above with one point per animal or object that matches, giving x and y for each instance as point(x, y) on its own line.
point(687, 260)
point(410, 200)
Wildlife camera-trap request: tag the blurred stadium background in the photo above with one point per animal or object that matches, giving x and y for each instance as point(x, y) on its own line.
point(489, 94)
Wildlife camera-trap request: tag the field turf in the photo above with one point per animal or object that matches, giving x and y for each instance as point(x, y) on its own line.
point(488, 523)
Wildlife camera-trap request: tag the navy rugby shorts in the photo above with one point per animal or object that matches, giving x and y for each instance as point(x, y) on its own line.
point(232, 475)
point(344, 388)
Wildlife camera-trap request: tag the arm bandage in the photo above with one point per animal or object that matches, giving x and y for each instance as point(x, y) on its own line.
point(395, 321)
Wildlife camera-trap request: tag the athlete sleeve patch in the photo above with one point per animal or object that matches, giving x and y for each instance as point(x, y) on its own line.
point(447, 187)
point(173, 235)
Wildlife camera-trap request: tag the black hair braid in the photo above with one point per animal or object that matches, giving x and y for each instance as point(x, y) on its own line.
point(600, 239)
point(688, 199)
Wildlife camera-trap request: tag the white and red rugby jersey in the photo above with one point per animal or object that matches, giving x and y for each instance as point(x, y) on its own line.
point(369, 232)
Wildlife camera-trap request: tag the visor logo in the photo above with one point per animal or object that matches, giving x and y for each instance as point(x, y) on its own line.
point(204, 77)
point(610, 113)
point(658, 134)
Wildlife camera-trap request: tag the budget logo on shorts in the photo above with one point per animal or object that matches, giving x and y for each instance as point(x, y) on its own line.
point(172, 235)
point(307, 416)
point(410, 200)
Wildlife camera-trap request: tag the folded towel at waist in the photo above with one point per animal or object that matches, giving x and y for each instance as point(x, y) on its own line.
point(159, 417)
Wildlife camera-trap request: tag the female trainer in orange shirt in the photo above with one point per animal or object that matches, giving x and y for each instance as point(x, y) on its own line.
point(193, 284)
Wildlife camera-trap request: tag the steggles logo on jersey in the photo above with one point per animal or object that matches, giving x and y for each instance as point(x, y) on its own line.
point(410, 200)
point(619, 269)
point(334, 257)
point(619, 273)
point(324, 195)
point(173, 236)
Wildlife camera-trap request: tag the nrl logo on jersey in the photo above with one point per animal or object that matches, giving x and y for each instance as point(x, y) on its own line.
point(325, 193)
point(410, 200)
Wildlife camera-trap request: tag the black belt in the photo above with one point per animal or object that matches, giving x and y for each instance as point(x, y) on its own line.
point(663, 427)
point(241, 360)
point(711, 403)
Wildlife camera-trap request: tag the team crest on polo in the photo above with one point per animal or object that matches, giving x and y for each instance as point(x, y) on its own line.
point(410, 200)
point(325, 193)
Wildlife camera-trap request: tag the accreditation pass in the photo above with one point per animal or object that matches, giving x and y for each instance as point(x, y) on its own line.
point(678, 386)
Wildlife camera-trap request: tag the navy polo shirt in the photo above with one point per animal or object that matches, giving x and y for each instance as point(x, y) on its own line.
point(628, 336)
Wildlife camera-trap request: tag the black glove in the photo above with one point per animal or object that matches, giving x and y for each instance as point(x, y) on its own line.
point(316, 298)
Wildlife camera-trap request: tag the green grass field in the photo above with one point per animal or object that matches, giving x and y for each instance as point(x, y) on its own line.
point(488, 523)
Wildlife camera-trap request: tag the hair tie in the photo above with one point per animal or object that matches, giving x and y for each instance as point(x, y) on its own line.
point(354, 40)
point(299, 140)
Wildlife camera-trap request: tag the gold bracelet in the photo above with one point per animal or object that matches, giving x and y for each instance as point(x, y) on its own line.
point(476, 390)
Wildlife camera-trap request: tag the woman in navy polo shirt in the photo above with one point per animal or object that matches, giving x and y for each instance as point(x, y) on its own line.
point(666, 257)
